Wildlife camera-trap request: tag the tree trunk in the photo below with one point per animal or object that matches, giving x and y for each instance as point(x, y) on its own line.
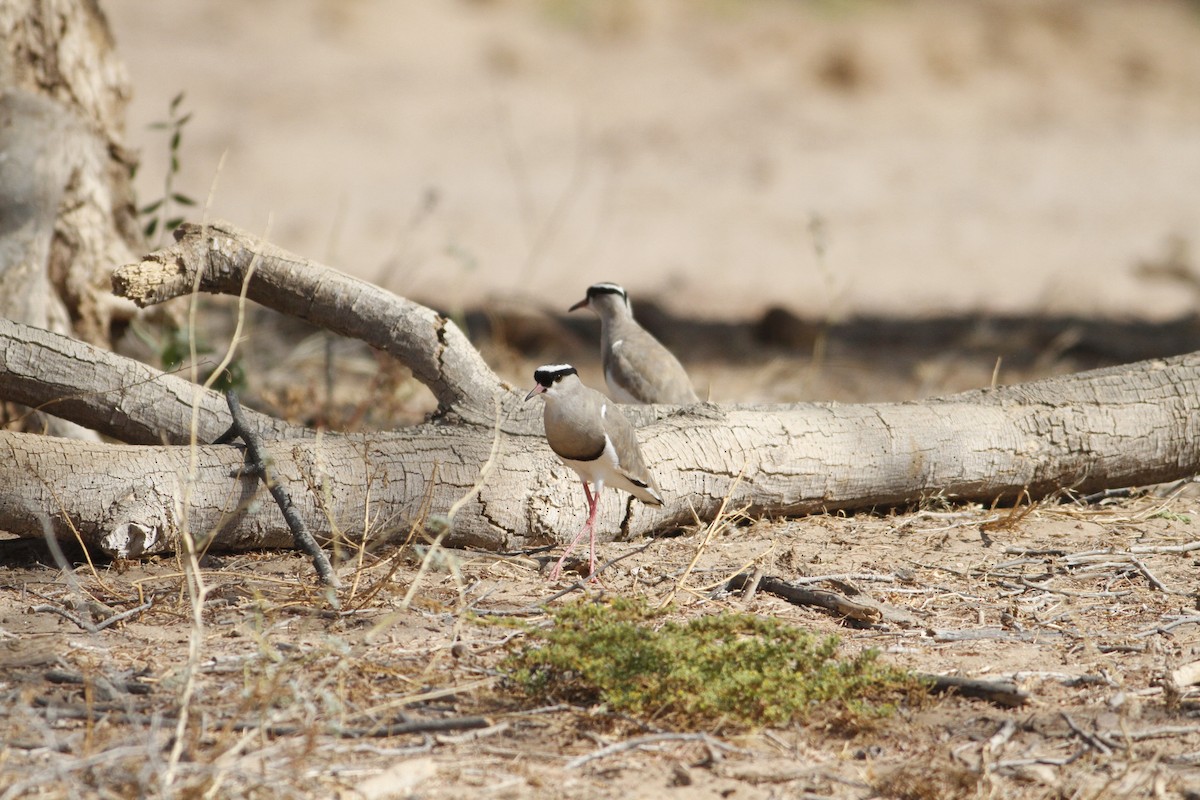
point(67, 215)
point(66, 201)
point(1101, 429)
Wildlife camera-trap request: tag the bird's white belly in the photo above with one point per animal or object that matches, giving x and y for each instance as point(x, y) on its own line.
point(597, 471)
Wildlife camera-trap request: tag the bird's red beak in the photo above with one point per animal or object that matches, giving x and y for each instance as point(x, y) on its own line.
point(581, 304)
point(535, 390)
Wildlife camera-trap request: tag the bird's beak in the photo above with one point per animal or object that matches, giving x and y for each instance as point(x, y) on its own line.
point(581, 304)
point(535, 390)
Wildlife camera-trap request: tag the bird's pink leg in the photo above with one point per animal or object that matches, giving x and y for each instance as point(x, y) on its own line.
point(588, 527)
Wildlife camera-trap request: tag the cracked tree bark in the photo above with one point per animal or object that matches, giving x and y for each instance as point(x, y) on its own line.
point(67, 215)
point(1123, 426)
point(66, 204)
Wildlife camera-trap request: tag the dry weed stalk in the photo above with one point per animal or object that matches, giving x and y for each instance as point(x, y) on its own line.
point(431, 694)
point(723, 520)
point(455, 507)
point(443, 526)
point(1015, 515)
point(59, 556)
point(396, 557)
point(197, 589)
point(818, 230)
point(361, 547)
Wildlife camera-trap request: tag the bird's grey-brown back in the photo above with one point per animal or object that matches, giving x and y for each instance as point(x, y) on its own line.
point(637, 367)
point(589, 432)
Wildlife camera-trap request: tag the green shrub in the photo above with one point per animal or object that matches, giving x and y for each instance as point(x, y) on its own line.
point(723, 671)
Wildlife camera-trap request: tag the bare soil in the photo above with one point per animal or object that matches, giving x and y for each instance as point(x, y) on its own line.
point(1087, 608)
point(843, 155)
point(1063, 601)
point(1006, 169)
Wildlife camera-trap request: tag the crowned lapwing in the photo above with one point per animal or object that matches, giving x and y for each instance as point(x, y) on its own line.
point(591, 435)
point(637, 368)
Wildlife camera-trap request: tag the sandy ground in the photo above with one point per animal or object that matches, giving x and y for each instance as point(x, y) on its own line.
point(956, 157)
point(834, 157)
point(1088, 610)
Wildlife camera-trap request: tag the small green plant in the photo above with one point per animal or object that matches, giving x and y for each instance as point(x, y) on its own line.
point(726, 671)
point(174, 349)
point(1172, 516)
point(158, 213)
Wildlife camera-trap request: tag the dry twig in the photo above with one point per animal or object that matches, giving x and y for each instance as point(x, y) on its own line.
point(260, 464)
point(832, 601)
point(1002, 693)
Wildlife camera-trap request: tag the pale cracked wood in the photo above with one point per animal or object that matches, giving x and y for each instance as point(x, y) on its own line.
point(67, 214)
point(1107, 428)
point(429, 344)
point(117, 396)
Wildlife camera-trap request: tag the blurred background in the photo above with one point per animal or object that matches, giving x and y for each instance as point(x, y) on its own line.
point(835, 160)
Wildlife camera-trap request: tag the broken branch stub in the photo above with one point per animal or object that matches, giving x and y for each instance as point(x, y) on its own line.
point(431, 345)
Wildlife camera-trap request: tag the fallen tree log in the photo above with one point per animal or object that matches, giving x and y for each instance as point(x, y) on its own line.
point(1130, 425)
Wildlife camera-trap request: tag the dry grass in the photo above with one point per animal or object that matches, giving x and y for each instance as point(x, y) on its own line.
point(1087, 608)
point(230, 675)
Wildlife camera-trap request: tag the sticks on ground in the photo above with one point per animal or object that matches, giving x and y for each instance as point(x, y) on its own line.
point(1001, 693)
point(259, 464)
point(837, 603)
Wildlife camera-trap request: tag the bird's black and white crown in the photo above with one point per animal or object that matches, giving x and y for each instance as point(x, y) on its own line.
point(550, 374)
point(606, 288)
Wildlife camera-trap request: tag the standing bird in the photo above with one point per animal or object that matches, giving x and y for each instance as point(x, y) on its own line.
point(637, 368)
point(591, 435)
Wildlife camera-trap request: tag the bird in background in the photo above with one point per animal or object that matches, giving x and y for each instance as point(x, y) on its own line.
point(591, 436)
point(637, 368)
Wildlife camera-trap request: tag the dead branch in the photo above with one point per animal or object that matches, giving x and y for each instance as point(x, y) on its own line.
point(643, 741)
point(117, 396)
point(429, 344)
point(1002, 693)
point(259, 464)
point(839, 604)
point(1121, 426)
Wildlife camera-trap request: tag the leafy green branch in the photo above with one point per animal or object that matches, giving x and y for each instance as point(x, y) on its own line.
point(159, 212)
